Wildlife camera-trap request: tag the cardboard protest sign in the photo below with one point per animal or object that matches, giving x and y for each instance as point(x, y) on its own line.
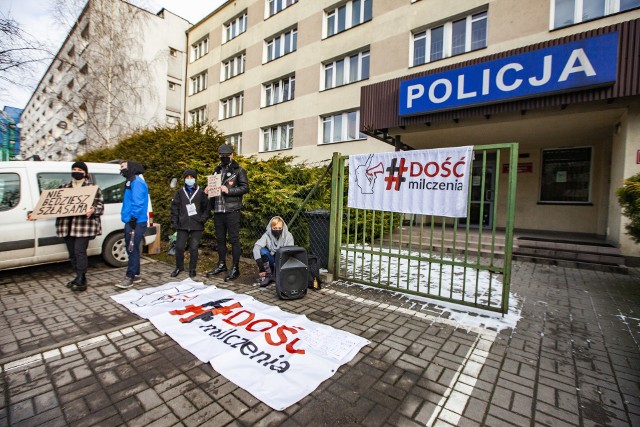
point(213, 182)
point(64, 202)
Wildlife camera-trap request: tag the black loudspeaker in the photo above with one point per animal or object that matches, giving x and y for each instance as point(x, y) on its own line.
point(292, 272)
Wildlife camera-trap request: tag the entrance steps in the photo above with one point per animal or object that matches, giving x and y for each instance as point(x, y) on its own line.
point(567, 250)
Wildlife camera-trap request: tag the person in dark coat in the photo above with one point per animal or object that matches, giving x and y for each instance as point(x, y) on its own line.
point(226, 211)
point(77, 231)
point(189, 212)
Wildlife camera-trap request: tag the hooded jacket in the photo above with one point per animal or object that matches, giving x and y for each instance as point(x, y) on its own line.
point(268, 241)
point(234, 177)
point(136, 195)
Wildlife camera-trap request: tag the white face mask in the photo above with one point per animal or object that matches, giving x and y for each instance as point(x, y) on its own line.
point(190, 182)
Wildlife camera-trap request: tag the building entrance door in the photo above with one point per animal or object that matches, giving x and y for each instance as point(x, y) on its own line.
point(482, 192)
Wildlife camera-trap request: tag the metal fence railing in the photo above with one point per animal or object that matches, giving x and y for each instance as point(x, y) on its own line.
point(466, 261)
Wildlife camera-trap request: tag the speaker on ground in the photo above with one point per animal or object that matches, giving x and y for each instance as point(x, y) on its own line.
point(292, 272)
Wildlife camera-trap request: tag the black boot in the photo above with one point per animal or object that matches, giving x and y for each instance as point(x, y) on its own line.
point(80, 284)
point(267, 278)
point(219, 269)
point(70, 283)
point(177, 271)
point(233, 274)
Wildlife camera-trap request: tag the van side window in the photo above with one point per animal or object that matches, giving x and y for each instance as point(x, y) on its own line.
point(111, 185)
point(52, 180)
point(9, 191)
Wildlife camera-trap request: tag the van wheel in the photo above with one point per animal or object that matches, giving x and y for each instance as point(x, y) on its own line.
point(114, 251)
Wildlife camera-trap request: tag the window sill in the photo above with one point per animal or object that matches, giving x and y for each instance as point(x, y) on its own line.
point(566, 203)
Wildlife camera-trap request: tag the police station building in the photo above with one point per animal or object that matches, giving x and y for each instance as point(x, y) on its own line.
point(568, 94)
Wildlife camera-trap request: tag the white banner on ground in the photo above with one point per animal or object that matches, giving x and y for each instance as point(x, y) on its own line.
point(276, 356)
point(427, 182)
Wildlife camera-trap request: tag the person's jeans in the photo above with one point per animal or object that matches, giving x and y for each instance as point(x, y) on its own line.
point(193, 237)
point(228, 223)
point(77, 248)
point(272, 259)
point(133, 268)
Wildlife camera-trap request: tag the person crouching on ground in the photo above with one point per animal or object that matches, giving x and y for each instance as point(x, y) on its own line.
point(189, 212)
point(276, 236)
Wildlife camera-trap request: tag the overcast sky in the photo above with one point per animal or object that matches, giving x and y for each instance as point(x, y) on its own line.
point(35, 18)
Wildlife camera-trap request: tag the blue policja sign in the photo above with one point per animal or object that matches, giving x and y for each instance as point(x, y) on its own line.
point(587, 62)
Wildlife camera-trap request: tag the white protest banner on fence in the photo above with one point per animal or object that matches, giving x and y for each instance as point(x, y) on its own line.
point(427, 182)
point(276, 356)
point(72, 201)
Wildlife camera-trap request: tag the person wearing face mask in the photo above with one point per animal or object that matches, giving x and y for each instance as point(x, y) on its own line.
point(189, 211)
point(264, 251)
point(133, 214)
point(226, 211)
point(77, 231)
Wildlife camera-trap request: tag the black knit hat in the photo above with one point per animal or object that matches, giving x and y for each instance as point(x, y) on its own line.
point(81, 165)
point(191, 172)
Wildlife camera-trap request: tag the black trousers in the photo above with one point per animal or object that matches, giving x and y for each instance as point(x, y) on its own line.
point(192, 237)
point(77, 248)
point(228, 229)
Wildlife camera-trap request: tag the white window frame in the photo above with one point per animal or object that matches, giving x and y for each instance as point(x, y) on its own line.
point(447, 38)
point(272, 7)
point(198, 115)
point(199, 49)
point(610, 7)
point(232, 106)
point(234, 28)
point(333, 29)
point(198, 83)
point(277, 46)
point(330, 82)
point(279, 91)
point(235, 140)
point(329, 121)
point(277, 137)
point(232, 67)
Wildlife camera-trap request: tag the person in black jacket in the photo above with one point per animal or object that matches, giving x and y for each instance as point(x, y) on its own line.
point(189, 211)
point(226, 211)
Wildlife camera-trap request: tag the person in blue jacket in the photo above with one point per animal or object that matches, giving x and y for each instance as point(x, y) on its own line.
point(134, 215)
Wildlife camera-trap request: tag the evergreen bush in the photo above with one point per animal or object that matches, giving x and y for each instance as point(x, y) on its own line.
point(629, 199)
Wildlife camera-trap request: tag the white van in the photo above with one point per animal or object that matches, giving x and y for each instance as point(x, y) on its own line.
point(24, 243)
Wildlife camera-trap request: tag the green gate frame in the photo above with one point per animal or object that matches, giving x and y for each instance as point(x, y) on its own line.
point(356, 234)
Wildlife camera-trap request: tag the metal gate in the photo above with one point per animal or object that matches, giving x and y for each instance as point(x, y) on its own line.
point(462, 260)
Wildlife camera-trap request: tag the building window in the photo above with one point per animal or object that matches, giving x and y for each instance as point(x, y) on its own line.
point(341, 127)
point(279, 137)
point(569, 12)
point(566, 175)
point(235, 141)
point(172, 86)
point(348, 15)
point(199, 115)
point(198, 83)
point(234, 28)
point(451, 38)
point(274, 6)
point(232, 67)
point(173, 52)
point(200, 49)
point(279, 91)
point(232, 106)
point(281, 45)
point(348, 69)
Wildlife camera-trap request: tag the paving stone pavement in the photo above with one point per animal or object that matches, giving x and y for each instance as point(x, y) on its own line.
point(573, 359)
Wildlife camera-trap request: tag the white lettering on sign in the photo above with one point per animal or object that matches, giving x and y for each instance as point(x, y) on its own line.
point(415, 92)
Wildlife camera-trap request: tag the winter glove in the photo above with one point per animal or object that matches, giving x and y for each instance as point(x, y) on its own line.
point(133, 222)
